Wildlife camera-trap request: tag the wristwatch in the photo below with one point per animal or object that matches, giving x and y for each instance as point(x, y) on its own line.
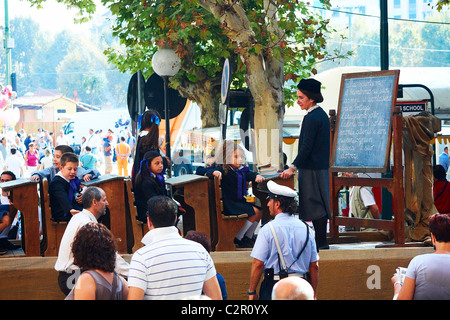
point(251, 293)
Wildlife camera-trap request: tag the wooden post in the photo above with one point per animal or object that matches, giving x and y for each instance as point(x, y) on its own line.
point(195, 195)
point(113, 186)
point(334, 205)
point(398, 189)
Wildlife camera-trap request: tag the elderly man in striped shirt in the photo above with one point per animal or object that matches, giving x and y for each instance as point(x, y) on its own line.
point(168, 266)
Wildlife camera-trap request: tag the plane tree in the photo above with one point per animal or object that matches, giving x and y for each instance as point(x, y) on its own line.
point(270, 45)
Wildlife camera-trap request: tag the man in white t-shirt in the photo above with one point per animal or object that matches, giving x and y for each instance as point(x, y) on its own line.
point(92, 141)
point(14, 163)
point(62, 139)
point(362, 203)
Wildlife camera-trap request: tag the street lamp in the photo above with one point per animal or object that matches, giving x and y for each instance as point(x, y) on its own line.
point(166, 63)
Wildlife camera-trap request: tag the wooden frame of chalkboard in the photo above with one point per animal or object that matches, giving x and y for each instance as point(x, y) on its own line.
point(363, 137)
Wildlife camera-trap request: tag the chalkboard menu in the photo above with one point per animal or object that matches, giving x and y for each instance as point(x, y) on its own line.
point(363, 129)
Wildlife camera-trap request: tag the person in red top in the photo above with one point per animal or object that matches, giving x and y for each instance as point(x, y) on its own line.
point(441, 190)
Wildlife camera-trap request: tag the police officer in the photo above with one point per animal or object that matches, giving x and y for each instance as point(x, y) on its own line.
point(294, 238)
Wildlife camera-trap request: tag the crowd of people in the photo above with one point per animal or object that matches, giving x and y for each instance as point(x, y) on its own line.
point(25, 153)
point(38, 155)
point(173, 266)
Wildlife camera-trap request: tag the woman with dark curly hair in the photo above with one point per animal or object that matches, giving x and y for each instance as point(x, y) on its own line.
point(94, 251)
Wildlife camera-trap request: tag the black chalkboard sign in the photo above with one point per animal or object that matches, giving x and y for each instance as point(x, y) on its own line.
point(363, 134)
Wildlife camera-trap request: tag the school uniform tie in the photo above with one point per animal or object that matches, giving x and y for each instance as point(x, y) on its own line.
point(241, 183)
point(160, 179)
point(74, 188)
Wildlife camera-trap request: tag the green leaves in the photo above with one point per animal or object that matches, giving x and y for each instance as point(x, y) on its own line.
point(289, 33)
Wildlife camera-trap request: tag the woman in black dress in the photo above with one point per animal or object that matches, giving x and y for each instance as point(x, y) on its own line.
point(312, 161)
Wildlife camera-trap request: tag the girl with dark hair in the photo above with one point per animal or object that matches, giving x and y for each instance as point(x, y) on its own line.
point(148, 140)
point(149, 182)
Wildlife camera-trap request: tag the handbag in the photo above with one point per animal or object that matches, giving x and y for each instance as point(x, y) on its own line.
point(283, 269)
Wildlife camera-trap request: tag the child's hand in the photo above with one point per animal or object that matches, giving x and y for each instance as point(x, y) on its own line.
point(217, 174)
point(79, 198)
point(87, 177)
point(259, 178)
point(35, 177)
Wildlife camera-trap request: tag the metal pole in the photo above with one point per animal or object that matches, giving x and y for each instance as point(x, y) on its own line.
point(384, 35)
point(8, 50)
point(167, 119)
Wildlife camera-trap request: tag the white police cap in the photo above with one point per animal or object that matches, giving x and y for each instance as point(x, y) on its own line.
point(276, 190)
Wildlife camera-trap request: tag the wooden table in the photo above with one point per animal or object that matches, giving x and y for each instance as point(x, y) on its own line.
point(195, 195)
point(25, 199)
point(113, 185)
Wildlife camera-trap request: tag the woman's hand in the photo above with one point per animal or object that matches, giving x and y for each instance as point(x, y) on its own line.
point(286, 174)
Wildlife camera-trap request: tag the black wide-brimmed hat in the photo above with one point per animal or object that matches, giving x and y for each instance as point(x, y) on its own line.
point(311, 88)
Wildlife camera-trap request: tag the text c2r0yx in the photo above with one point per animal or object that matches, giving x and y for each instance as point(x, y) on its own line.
point(248, 309)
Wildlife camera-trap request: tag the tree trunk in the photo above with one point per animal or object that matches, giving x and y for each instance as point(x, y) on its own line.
point(206, 91)
point(264, 77)
point(206, 94)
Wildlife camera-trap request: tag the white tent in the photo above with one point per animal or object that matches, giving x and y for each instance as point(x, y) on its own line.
point(436, 79)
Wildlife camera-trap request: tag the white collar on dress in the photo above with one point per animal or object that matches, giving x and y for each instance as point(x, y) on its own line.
point(313, 108)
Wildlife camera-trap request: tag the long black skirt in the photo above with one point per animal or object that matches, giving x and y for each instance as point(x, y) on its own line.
point(314, 194)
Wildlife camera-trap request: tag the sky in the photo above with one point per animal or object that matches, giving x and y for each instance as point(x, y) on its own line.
point(52, 18)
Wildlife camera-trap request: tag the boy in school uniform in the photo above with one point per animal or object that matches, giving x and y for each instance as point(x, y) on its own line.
point(65, 189)
point(51, 172)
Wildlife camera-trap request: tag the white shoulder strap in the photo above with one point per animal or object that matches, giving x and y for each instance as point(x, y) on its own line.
point(280, 254)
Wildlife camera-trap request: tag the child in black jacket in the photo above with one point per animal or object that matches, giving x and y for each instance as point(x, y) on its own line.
point(65, 189)
point(149, 182)
point(235, 175)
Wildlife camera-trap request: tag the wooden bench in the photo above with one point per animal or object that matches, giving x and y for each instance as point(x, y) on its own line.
point(227, 226)
point(196, 195)
point(52, 231)
point(113, 186)
point(25, 198)
point(135, 228)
